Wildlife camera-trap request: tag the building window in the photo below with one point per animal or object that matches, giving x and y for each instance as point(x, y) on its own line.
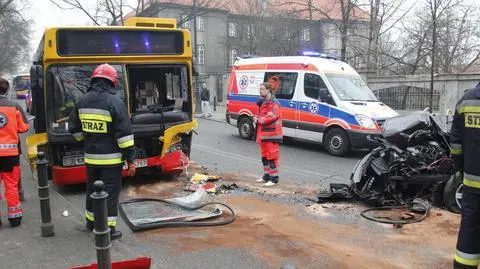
point(250, 31)
point(201, 54)
point(186, 22)
point(306, 34)
point(233, 56)
point(270, 31)
point(200, 23)
point(232, 29)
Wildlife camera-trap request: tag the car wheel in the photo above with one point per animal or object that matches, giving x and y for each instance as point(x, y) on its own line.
point(336, 142)
point(245, 128)
point(452, 194)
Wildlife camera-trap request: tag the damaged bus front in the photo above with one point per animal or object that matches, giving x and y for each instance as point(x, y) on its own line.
point(153, 60)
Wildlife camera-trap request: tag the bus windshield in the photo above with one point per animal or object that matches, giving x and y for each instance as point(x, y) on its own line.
point(68, 85)
point(21, 83)
point(351, 88)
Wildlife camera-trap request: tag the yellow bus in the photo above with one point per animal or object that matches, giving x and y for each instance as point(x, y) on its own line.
point(154, 63)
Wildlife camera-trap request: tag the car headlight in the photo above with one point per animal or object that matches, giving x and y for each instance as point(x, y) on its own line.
point(366, 121)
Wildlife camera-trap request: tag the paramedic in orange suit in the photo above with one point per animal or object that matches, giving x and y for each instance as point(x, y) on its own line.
point(12, 122)
point(269, 134)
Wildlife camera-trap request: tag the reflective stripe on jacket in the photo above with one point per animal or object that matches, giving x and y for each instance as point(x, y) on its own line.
point(270, 121)
point(465, 137)
point(12, 122)
point(100, 119)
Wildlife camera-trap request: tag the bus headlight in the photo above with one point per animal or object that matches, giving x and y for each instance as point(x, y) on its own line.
point(366, 121)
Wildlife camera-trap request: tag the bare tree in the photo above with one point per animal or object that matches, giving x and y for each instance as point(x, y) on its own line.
point(384, 16)
point(342, 13)
point(14, 36)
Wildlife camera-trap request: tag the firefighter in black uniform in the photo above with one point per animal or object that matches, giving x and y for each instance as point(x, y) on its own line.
point(465, 143)
point(101, 119)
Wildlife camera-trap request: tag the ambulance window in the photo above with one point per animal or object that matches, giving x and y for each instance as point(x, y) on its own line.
point(312, 84)
point(288, 81)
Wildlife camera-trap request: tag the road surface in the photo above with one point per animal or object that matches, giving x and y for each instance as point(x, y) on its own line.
point(218, 146)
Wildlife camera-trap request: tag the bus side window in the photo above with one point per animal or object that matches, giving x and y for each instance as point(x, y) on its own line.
point(288, 82)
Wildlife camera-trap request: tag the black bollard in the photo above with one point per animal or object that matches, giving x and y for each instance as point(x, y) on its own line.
point(44, 196)
point(214, 103)
point(102, 232)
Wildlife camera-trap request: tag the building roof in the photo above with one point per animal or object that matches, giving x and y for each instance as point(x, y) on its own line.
point(320, 9)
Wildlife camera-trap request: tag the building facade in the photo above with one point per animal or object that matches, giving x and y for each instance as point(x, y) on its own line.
point(225, 31)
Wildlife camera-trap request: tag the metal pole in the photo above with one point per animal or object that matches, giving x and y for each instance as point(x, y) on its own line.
point(214, 103)
point(434, 45)
point(195, 54)
point(102, 232)
point(44, 196)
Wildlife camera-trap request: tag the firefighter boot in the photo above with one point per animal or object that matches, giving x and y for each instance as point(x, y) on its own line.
point(115, 234)
point(15, 222)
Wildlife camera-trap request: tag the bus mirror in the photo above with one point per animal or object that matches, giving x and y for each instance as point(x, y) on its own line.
point(36, 76)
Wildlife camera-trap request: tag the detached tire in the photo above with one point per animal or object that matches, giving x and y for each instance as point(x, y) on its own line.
point(336, 142)
point(245, 128)
point(452, 194)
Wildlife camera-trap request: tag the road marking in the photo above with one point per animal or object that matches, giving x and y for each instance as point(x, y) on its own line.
point(257, 161)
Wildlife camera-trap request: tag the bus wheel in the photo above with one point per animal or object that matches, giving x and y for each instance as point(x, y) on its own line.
point(245, 128)
point(336, 142)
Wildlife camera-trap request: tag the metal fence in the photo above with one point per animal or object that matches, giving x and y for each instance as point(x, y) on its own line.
point(408, 98)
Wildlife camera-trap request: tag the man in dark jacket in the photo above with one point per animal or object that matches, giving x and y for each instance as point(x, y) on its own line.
point(465, 143)
point(205, 97)
point(101, 119)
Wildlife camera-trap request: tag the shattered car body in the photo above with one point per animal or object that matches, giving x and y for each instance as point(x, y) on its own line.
point(412, 161)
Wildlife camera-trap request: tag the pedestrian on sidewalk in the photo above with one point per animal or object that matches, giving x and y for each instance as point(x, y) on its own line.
point(101, 118)
point(205, 97)
point(269, 132)
point(12, 122)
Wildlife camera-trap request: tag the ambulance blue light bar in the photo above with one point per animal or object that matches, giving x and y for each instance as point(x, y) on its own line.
point(317, 54)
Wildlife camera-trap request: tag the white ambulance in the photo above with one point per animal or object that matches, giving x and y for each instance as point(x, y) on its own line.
point(322, 100)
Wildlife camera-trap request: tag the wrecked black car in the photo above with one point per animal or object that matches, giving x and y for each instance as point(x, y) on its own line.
point(412, 162)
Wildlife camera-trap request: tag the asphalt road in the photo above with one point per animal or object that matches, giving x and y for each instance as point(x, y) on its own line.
point(218, 146)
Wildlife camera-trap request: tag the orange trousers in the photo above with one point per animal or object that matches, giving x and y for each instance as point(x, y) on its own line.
point(10, 182)
point(270, 159)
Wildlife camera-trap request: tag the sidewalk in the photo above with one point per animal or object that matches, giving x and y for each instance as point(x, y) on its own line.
point(217, 115)
point(23, 247)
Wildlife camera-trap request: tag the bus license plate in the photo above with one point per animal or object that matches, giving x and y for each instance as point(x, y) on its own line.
point(138, 164)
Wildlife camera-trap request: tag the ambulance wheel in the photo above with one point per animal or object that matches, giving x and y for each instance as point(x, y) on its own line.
point(245, 128)
point(336, 142)
point(452, 194)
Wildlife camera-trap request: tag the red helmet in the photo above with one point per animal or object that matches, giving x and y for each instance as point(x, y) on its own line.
point(105, 71)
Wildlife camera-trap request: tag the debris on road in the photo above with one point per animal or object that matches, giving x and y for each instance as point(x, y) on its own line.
point(188, 211)
point(199, 178)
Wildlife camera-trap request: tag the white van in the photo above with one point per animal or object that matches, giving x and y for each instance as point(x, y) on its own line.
point(322, 100)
